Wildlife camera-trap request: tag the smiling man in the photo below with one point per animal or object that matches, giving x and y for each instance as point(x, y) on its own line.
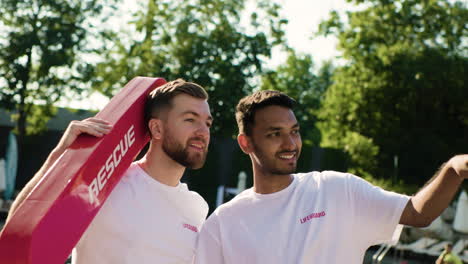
point(150, 216)
point(317, 217)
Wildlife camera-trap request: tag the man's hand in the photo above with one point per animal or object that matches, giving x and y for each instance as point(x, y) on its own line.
point(92, 126)
point(459, 163)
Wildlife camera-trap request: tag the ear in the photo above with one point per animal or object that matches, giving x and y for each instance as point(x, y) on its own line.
point(155, 126)
point(245, 143)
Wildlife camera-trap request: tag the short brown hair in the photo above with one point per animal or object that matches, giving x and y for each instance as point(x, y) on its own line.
point(248, 106)
point(160, 99)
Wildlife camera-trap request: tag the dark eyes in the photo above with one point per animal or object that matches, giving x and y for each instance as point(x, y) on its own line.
point(191, 120)
point(274, 134)
point(277, 134)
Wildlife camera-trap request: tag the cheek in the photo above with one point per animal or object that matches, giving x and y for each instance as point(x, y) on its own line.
point(270, 148)
point(178, 133)
point(183, 129)
point(275, 144)
point(266, 146)
point(299, 142)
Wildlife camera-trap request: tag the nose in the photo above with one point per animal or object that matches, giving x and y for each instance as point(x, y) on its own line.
point(203, 131)
point(289, 143)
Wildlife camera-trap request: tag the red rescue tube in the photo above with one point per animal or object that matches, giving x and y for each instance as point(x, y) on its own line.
point(51, 220)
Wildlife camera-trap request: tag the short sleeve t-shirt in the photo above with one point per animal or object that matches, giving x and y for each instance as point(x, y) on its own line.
point(450, 258)
point(143, 221)
point(321, 217)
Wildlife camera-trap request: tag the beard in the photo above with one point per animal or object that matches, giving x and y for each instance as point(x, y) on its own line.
point(272, 166)
point(274, 169)
point(180, 154)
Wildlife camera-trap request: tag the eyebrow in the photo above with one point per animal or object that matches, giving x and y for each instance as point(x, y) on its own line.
point(189, 112)
point(273, 128)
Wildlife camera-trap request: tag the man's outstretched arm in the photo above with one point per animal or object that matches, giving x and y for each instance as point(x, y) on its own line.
point(93, 126)
point(433, 198)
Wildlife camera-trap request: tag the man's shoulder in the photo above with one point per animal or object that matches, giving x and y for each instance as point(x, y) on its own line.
point(238, 202)
point(243, 197)
point(320, 177)
point(128, 187)
point(192, 201)
point(452, 258)
point(196, 197)
point(325, 182)
point(131, 174)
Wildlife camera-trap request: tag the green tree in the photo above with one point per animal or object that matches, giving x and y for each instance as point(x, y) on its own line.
point(206, 41)
point(402, 90)
point(297, 78)
point(40, 41)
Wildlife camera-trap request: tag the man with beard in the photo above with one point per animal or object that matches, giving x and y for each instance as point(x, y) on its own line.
point(150, 216)
point(316, 217)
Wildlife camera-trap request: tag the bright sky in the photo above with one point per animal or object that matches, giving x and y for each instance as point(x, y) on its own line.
point(304, 16)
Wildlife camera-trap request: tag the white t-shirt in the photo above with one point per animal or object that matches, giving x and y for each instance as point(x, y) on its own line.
point(143, 221)
point(327, 217)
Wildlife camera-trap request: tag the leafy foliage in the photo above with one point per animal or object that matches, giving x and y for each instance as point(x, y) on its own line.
point(40, 42)
point(402, 91)
point(205, 41)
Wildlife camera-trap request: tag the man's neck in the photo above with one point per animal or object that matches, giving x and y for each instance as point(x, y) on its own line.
point(161, 167)
point(271, 183)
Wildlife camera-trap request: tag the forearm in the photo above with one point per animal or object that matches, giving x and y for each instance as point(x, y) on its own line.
point(440, 259)
point(92, 126)
point(432, 200)
point(53, 156)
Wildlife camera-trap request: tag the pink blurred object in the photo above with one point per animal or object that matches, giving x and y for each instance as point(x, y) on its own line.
point(48, 224)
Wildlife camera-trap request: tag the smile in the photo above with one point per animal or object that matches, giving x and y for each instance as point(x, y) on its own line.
point(287, 156)
point(197, 146)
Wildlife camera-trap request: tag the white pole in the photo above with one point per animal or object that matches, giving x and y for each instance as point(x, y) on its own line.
point(220, 196)
point(241, 182)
